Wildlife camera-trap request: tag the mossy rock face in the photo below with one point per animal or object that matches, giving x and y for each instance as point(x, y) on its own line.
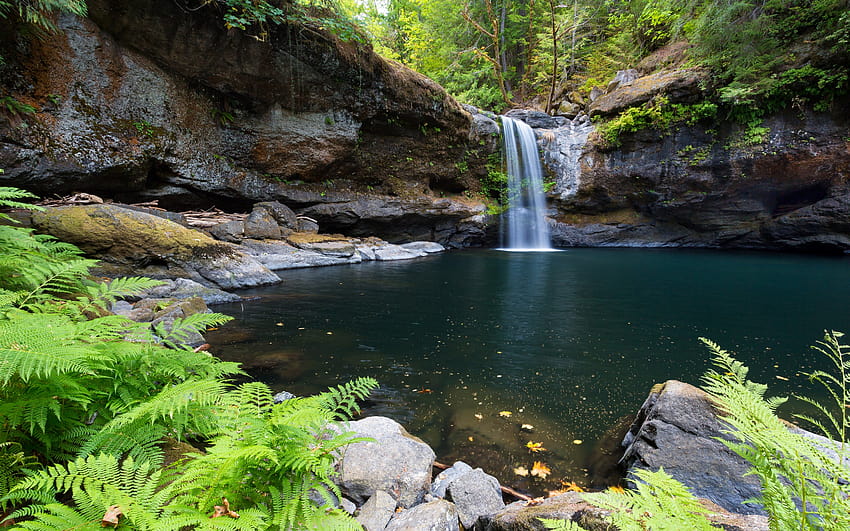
point(139, 240)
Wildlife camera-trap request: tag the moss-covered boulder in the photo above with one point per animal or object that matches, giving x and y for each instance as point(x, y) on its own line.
point(146, 244)
point(681, 85)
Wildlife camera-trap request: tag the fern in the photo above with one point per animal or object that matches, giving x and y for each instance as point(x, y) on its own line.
point(560, 525)
point(659, 502)
point(8, 196)
point(802, 488)
point(176, 334)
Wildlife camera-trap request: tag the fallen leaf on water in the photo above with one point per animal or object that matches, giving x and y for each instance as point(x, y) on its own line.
point(540, 470)
point(535, 446)
point(577, 441)
point(470, 439)
point(572, 486)
point(617, 489)
point(479, 416)
point(329, 333)
point(505, 413)
point(424, 391)
point(278, 324)
point(526, 427)
point(781, 378)
point(521, 471)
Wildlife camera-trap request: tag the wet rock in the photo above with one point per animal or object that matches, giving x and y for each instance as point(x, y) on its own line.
point(377, 511)
point(438, 515)
point(396, 462)
point(475, 494)
point(135, 239)
point(536, 119)
point(677, 428)
point(568, 109)
point(680, 85)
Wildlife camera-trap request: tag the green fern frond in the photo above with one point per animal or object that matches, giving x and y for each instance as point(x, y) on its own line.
point(54, 517)
point(560, 525)
point(341, 401)
point(56, 278)
point(176, 334)
point(659, 502)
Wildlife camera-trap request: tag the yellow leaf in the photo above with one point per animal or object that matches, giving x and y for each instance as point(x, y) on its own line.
point(526, 427)
point(479, 416)
point(540, 470)
point(617, 489)
point(577, 441)
point(572, 486)
point(535, 447)
point(505, 413)
point(521, 471)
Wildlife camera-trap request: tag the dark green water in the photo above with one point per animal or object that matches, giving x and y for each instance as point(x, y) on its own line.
point(568, 342)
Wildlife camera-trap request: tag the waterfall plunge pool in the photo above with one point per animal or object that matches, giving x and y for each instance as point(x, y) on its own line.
point(569, 343)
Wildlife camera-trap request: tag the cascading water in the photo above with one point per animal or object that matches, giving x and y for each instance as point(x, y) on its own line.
point(524, 227)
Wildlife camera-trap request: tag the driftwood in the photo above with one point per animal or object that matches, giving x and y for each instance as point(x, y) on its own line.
point(507, 490)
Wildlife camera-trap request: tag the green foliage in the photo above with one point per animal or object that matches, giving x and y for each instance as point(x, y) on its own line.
point(658, 502)
point(560, 525)
point(658, 114)
point(16, 107)
point(101, 392)
point(802, 487)
point(39, 12)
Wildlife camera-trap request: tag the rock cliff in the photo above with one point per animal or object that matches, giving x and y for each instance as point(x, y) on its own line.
point(151, 100)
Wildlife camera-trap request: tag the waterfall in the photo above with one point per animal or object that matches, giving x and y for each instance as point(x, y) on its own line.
point(523, 225)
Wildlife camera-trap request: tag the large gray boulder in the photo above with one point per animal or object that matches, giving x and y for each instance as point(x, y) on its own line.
point(278, 255)
point(681, 85)
point(678, 428)
point(395, 462)
point(142, 243)
point(438, 515)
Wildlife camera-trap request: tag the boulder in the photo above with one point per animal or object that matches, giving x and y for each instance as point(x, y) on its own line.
point(281, 213)
point(682, 85)
point(261, 225)
point(437, 515)
point(228, 231)
point(135, 240)
point(677, 428)
point(377, 511)
point(475, 494)
point(395, 462)
point(305, 224)
point(391, 252)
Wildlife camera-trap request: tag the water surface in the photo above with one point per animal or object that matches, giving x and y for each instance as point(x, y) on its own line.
point(569, 343)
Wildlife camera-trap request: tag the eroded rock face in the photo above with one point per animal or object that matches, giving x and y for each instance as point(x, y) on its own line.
point(704, 187)
point(146, 101)
point(153, 246)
